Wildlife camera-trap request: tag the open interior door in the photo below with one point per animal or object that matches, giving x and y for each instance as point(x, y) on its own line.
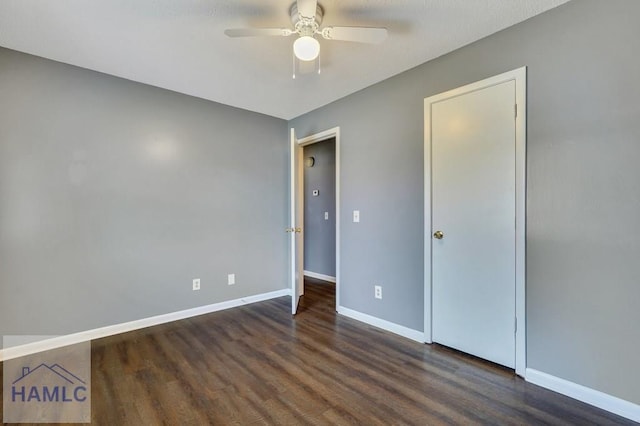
point(297, 243)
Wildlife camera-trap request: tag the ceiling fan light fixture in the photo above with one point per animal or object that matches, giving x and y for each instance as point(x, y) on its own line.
point(306, 48)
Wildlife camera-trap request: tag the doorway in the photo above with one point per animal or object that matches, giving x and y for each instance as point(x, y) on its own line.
point(328, 211)
point(319, 189)
point(474, 219)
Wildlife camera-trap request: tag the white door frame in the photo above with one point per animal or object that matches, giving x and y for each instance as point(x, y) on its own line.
point(310, 140)
point(520, 109)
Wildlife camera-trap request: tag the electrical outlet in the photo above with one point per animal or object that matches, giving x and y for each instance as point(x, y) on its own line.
point(231, 279)
point(377, 291)
point(196, 284)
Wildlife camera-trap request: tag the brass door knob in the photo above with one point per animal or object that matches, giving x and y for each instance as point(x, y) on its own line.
point(298, 230)
point(438, 235)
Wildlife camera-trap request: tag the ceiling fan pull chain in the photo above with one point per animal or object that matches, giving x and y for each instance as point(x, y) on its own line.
point(294, 65)
point(319, 69)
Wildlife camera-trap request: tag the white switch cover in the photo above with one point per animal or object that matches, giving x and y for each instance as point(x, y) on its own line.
point(326, 215)
point(231, 279)
point(356, 215)
point(196, 284)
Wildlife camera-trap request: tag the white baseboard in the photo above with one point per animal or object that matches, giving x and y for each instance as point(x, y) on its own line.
point(401, 330)
point(84, 336)
point(587, 395)
point(322, 277)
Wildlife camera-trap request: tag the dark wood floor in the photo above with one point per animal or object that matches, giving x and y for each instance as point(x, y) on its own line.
point(258, 365)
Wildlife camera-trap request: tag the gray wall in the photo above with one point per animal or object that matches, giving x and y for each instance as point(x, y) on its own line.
point(583, 190)
point(320, 234)
point(115, 195)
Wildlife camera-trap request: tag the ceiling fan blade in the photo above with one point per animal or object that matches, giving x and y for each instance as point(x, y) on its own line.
point(307, 8)
point(357, 34)
point(258, 32)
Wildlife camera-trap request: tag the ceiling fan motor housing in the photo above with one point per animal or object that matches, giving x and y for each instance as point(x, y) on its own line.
point(306, 25)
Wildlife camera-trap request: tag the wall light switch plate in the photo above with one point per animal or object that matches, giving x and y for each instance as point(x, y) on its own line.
point(356, 216)
point(196, 284)
point(326, 215)
point(231, 279)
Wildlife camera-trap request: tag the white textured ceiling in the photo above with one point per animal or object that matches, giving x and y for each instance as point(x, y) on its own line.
point(180, 44)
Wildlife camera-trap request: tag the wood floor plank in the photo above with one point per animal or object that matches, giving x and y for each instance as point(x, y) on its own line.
point(258, 365)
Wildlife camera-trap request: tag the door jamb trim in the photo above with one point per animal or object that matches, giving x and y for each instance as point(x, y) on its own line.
point(310, 140)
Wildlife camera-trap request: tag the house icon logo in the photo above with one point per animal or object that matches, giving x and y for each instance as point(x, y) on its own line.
point(48, 384)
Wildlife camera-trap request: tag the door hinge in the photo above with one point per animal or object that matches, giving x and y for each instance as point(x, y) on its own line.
point(515, 326)
point(516, 110)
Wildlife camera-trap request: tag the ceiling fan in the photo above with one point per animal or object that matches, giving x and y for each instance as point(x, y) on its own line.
point(306, 17)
